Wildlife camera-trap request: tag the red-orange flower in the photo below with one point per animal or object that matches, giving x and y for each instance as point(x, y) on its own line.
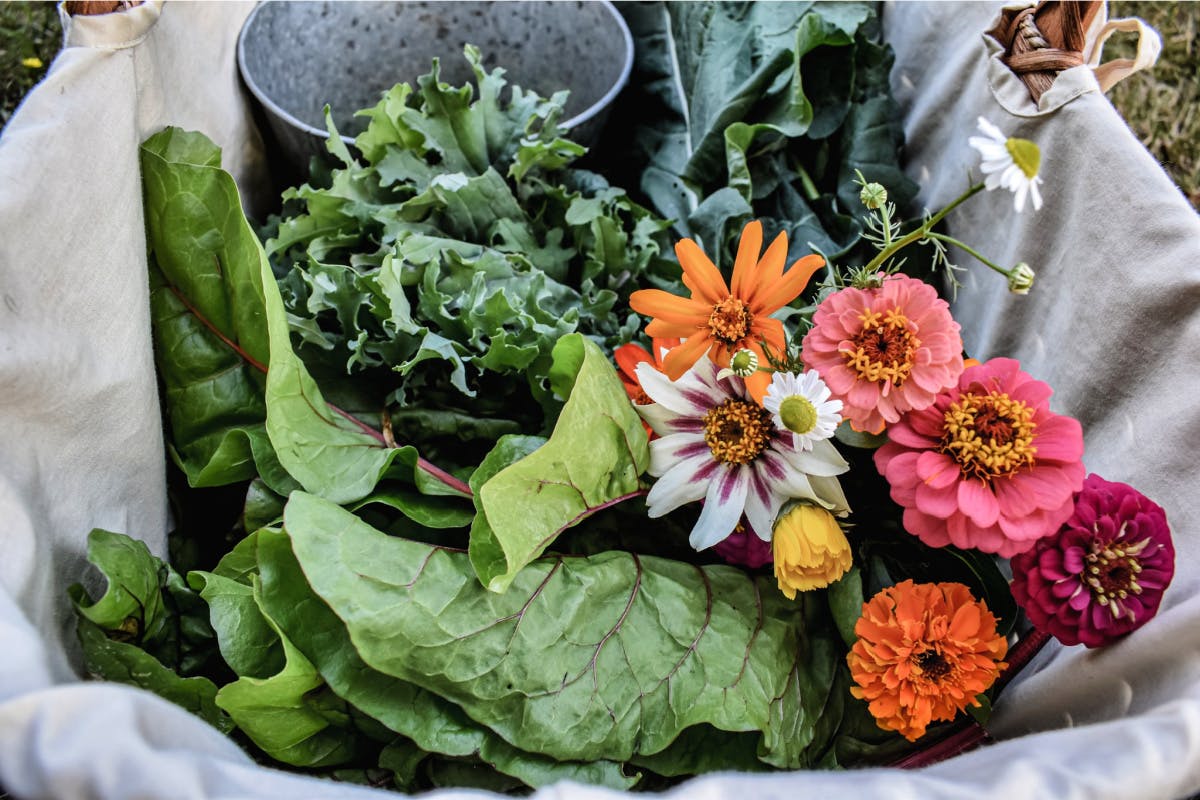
point(628, 356)
point(924, 652)
point(720, 320)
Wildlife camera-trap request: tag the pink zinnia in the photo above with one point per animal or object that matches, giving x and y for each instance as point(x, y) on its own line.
point(988, 466)
point(1104, 574)
point(884, 351)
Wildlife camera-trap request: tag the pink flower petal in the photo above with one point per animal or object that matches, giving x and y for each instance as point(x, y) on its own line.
point(977, 501)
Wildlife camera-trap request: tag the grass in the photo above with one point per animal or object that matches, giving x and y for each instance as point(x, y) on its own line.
point(1162, 104)
point(30, 36)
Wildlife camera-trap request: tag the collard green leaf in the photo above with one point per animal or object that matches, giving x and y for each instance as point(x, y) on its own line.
point(592, 459)
point(771, 101)
point(432, 723)
point(428, 511)
point(485, 551)
point(121, 662)
point(583, 658)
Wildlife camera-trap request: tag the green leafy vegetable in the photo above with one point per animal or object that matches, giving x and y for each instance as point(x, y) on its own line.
point(592, 460)
point(211, 342)
point(126, 663)
point(433, 724)
point(623, 652)
point(762, 110)
point(443, 266)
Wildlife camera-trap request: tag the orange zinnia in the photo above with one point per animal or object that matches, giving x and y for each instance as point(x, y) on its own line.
point(719, 319)
point(924, 652)
point(628, 356)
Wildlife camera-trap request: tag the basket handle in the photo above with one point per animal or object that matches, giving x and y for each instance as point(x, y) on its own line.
point(1040, 41)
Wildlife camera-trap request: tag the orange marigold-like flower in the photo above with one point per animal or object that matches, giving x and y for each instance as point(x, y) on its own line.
point(720, 320)
point(924, 652)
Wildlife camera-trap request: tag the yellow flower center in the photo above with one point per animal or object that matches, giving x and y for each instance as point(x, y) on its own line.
point(990, 435)
point(884, 349)
point(730, 321)
point(1111, 573)
point(798, 413)
point(1026, 155)
point(737, 431)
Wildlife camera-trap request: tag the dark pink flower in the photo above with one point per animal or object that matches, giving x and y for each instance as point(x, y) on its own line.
point(987, 466)
point(745, 548)
point(1104, 574)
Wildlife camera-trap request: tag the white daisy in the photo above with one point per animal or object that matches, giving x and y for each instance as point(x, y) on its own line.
point(716, 444)
point(1009, 163)
point(801, 405)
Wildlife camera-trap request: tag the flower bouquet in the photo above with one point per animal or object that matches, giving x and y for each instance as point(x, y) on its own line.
point(509, 495)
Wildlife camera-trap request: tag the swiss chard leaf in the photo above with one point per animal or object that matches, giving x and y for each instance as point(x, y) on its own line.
point(207, 309)
point(291, 715)
point(121, 662)
point(592, 460)
point(583, 658)
point(433, 724)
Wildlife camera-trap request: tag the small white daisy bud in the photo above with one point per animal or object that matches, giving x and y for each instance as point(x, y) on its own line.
point(744, 363)
point(873, 196)
point(1020, 278)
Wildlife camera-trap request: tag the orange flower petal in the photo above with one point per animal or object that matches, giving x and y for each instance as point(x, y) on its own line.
point(699, 273)
point(628, 356)
point(770, 267)
point(787, 288)
point(681, 359)
point(770, 331)
point(657, 328)
point(757, 384)
point(668, 307)
point(745, 266)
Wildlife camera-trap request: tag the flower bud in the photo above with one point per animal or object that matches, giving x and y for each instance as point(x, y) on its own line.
point(744, 363)
point(811, 551)
point(873, 196)
point(1020, 278)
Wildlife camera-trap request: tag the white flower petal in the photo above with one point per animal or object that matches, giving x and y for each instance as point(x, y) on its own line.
point(723, 506)
point(1035, 195)
point(667, 451)
point(686, 482)
point(689, 398)
point(762, 506)
point(991, 130)
point(829, 494)
point(665, 422)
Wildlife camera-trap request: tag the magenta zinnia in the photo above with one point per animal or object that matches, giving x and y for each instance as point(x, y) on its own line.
point(987, 466)
point(884, 351)
point(1104, 574)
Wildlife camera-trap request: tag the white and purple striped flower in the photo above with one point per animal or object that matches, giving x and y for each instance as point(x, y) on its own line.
point(719, 445)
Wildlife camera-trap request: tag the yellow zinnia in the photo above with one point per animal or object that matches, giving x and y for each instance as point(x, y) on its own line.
point(811, 551)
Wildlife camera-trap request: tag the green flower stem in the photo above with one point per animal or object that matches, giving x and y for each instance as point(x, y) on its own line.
point(887, 224)
point(923, 231)
point(970, 250)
